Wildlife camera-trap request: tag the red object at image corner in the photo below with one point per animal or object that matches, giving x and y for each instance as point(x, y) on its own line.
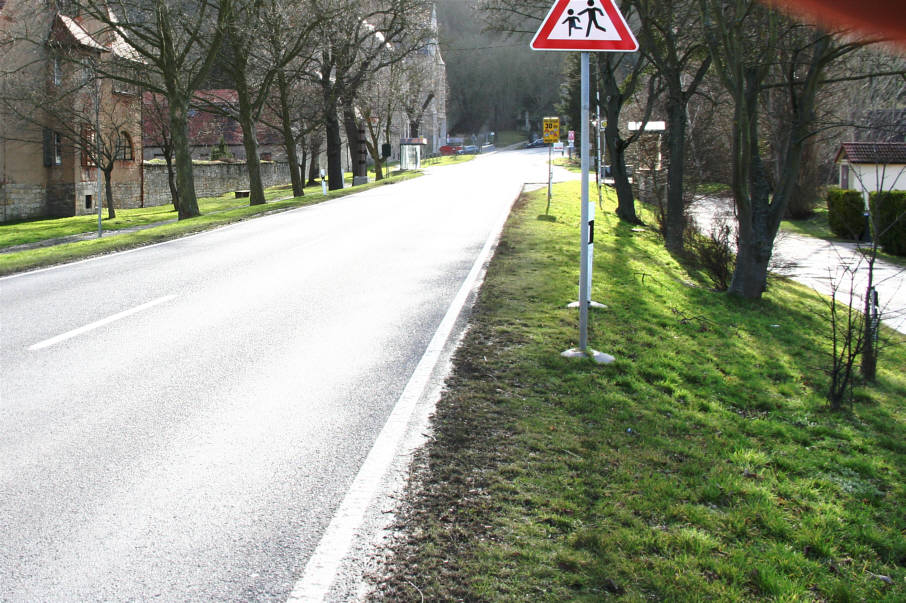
point(885, 18)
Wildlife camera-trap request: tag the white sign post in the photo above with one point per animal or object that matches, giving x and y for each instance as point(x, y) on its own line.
point(585, 25)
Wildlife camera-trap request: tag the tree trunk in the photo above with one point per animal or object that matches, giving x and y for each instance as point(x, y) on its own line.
point(108, 192)
point(332, 136)
point(314, 168)
point(869, 365)
point(676, 142)
point(250, 142)
point(616, 146)
point(354, 140)
point(334, 148)
point(289, 140)
point(185, 179)
point(752, 192)
point(302, 164)
point(617, 152)
point(171, 178)
point(752, 259)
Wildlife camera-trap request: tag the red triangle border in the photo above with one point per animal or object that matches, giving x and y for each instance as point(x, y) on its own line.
point(626, 43)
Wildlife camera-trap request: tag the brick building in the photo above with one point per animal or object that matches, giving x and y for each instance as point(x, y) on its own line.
point(52, 107)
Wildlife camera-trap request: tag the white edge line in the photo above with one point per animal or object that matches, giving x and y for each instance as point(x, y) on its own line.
point(324, 563)
point(100, 323)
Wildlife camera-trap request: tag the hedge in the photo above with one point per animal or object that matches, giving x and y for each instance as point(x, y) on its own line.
point(889, 209)
point(845, 212)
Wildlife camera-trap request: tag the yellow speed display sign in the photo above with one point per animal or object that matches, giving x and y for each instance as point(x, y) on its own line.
point(551, 129)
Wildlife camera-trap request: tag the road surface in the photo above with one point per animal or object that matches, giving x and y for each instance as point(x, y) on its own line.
point(183, 421)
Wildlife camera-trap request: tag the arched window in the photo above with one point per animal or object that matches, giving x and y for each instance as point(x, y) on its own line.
point(124, 147)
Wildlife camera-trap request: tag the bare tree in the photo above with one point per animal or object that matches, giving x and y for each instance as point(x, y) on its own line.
point(177, 42)
point(363, 37)
point(619, 78)
point(754, 48)
point(156, 117)
point(296, 105)
point(670, 37)
point(263, 38)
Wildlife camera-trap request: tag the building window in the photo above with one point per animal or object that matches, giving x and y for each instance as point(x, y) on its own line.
point(57, 72)
point(87, 145)
point(125, 78)
point(88, 201)
point(57, 148)
point(53, 148)
point(844, 176)
point(124, 150)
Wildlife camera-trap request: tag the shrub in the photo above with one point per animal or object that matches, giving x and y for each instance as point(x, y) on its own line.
point(845, 209)
point(221, 152)
point(889, 209)
point(713, 254)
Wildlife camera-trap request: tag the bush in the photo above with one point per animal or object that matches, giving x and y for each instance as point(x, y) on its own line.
point(889, 209)
point(713, 254)
point(845, 213)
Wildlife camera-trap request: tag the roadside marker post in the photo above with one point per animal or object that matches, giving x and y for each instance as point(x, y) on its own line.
point(585, 26)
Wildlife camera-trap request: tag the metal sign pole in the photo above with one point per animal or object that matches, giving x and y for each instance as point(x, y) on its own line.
point(583, 269)
point(550, 174)
point(587, 231)
point(97, 148)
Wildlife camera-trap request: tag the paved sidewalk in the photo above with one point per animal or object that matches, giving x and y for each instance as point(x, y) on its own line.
point(821, 264)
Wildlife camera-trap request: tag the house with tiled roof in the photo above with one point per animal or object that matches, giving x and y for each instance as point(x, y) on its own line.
point(51, 107)
point(872, 166)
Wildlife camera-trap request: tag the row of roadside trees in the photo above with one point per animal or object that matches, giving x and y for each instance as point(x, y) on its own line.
point(309, 69)
point(780, 77)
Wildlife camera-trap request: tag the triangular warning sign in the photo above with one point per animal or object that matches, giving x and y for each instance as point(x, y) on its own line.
point(587, 25)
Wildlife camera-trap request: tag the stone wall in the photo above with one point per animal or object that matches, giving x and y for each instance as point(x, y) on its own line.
point(211, 179)
point(24, 201)
point(21, 201)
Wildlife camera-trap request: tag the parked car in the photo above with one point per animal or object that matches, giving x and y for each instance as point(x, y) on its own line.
point(534, 144)
point(450, 149)
point(469, 149)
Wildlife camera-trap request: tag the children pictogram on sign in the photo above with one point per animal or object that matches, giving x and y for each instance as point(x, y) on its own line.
point(592, 11)
point(572, 21)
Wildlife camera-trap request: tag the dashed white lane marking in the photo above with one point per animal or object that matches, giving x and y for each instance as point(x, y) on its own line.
point(100, 323)
point(321, 569)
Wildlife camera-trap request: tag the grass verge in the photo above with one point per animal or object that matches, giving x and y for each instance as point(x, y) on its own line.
point(703, 464)
point(446, 160)
point(216, 212)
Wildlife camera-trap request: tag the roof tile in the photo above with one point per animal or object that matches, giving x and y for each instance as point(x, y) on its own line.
point(875, 152)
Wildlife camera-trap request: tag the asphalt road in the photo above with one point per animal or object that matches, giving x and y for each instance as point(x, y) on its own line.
point(181, 422)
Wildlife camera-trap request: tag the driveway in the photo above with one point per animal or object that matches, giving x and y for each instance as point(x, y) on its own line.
point(821, 264)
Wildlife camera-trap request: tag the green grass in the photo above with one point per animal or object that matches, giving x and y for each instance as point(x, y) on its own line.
point(446, 160)
point(814, 226)
point(30, 231)
point(509, 137)
point(712, 188)
point(216, 212)
point(704, 464)
point(573, 164)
